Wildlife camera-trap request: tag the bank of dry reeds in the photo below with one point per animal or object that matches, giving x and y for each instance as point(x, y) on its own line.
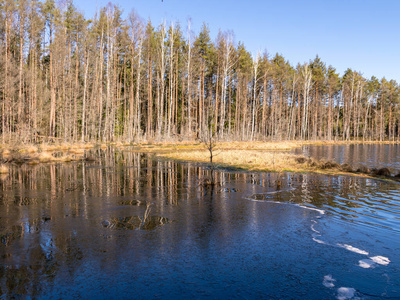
point(252, 156)
point(254, 160)
point(43, 153)
point(272, 161)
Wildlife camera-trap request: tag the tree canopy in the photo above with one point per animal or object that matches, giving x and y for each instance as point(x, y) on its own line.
point(108, 78)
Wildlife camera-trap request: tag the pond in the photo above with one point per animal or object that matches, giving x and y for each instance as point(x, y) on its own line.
point(131, 226)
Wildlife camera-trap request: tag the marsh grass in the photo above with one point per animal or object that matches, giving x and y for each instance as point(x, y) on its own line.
point(253, 156)
point(253, 160)
point(272, 161)
point(240, 145)
point(259, 156)
point(44, 153)
point(3, 169)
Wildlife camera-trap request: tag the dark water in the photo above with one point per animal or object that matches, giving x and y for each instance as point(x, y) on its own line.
point(368, 155)
point(130, 227)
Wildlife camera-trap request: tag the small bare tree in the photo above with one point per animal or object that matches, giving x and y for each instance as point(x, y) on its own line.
point(208, 138)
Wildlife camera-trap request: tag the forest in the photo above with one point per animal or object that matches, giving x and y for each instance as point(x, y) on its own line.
point(68, 78)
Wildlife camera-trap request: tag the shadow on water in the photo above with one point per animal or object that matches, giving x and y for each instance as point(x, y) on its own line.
point(89, 229)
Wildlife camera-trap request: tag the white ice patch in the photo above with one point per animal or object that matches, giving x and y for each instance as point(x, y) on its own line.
point(328, 281)
point(322, 212)
point(319, 241)
point(372, 261)
point(366, 263)
point(313, 229)
point(353, 249)
point(312, 226)
point(381, 260)
point(345, 293)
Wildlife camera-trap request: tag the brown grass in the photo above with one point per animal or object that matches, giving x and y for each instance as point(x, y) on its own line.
point(3, 169)
point(257, 160)
point(253, 160)
point(45, 157)
point(44, 153)
point(256, 155)
point(193, 146)
point(240, 145)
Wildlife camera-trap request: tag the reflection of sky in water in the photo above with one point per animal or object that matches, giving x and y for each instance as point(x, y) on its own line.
point(136, 227)
point(368, 155)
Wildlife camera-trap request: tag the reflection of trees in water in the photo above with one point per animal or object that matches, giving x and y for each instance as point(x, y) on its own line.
point(32, 256)
point(139, 179)
point(38, 267)
point(51, 215)
point(344, 192)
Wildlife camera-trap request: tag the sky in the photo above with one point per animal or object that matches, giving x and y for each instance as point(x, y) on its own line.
point(363, 35)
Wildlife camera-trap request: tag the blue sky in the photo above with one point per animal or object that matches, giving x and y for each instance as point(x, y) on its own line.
point(363, 35)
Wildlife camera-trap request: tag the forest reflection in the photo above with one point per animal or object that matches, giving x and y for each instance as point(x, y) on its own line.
point(53, 217)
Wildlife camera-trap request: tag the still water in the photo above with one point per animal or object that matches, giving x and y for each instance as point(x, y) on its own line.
point(356, 155)
point(130, 226)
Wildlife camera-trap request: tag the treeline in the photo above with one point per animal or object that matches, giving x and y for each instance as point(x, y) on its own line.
point(105, 79)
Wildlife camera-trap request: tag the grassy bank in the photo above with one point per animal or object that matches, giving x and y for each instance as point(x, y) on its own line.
point(256, 160)
point(243, 145)
point(252, 156)
point(266, 156)
point(43, 153)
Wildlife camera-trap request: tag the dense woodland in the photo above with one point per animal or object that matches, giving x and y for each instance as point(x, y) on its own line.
point(67, 78)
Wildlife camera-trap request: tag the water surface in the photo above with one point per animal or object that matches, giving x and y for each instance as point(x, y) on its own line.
point(128, 226)
point(356, 155)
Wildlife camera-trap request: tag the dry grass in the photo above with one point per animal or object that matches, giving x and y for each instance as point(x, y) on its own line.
point(257, 160)
point(241, 145)
point(6, 153)
point(193, 146)
point(29, 149)
point(270, 146)
point(66, 147)
point(254, 156)
point(167, 146)
point(3, 169)
point(253, 160)
point(48, 157)
point(45, 157)
point(44, 153)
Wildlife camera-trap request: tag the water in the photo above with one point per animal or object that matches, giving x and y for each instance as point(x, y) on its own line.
point(356, 155)
point(128, 226)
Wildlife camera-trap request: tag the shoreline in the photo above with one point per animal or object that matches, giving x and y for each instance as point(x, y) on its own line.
point(256, 156)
